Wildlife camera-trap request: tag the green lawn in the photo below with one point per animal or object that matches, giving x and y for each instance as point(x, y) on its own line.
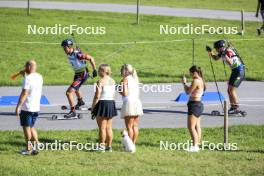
point(148, 160)
point(158, 62)
point(203, 4)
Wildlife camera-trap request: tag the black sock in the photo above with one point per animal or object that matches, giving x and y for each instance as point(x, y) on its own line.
point(235, 106)
point(73, 109)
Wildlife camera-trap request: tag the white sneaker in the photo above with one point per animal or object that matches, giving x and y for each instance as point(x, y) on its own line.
point(100, 148)
point(25, 152)
point(194, 149)
point(36, 146)
point(29, 152)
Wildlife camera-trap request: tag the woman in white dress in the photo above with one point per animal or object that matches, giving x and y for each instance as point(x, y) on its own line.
point(132, 107)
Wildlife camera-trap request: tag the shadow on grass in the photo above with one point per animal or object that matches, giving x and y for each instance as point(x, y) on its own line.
point(92, 139)
point(254, 151)
point(261, 151)
point(47, 140)
point(22, 144)
point(13, 143)
point(148, 144)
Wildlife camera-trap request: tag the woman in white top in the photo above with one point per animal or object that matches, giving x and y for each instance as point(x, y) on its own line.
point(103, 107)
point(195, 105)
point(132, 107)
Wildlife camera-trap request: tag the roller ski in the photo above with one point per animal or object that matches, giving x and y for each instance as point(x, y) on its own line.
point(236, 112)
point(216, 113)
point(79, 106)
point(231, 112)
point(72, 115)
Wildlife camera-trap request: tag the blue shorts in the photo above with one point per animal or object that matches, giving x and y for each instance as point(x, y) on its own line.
point(28, 119)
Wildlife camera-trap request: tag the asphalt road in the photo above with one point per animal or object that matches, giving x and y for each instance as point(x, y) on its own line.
point(121, 8)
point(161, 111)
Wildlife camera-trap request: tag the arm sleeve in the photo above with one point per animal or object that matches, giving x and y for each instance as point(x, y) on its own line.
point(229, 53)
point(81, 56)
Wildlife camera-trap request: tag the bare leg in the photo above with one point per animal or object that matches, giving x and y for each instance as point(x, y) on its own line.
point(230, 95)
point(69, 94)
point(192, 121)
point(198, 130)
point(109, 132)
point(234, 95)
point(129, 121)
point(78, 94)
point(102, 129)
point(27, 134)
point(135, 129)
point(34, 135)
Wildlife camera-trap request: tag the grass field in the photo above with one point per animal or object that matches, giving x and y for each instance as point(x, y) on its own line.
point(158, 62)
point(203, 4)
point(148, 160)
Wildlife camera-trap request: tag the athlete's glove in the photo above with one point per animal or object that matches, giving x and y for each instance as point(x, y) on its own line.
point(208, 48)
point(94, 73)
point(93, 116)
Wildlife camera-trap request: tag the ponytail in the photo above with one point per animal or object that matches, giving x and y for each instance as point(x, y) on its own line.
point(134, 75)
point(193, 69)
point(201, 75)
point(130, 70)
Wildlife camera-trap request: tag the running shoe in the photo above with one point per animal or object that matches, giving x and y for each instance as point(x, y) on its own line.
point(233, 110)
point(34, 152)
point(25, 152)
point(70, 114)
point(108, 149)
point(100, 148)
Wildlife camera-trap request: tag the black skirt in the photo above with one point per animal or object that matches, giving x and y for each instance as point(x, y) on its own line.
point(105, 108)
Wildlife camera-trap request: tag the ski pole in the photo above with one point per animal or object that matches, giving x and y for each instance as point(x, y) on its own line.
point(212, 67)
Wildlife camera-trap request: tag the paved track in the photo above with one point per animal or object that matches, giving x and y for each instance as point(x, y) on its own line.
point(160, 109)
point(149, 10)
